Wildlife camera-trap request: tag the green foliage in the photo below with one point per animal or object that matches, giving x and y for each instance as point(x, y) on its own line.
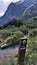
point(14, 22)
point(31, 51)
point(33, 33)
point(14, 38)
point(11, 32)
point(31, 23)
point(24, 29)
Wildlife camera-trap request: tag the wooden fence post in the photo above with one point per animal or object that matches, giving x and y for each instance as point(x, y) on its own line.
point(22, 50)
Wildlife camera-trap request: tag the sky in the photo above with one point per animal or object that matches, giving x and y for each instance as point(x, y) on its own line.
point(4, 4)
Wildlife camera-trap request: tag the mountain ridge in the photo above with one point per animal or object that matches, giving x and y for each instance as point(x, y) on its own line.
point(12, 11)
point(30, 12)
point(16, 10)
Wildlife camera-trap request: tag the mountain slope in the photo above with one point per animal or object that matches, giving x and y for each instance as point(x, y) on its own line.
point(28, 3)
point(30, 12)
point(14, 10)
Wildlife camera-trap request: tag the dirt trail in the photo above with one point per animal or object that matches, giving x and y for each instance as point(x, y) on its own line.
point(6, 53)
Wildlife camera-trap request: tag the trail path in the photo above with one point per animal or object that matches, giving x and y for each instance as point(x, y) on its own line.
point(6, 53)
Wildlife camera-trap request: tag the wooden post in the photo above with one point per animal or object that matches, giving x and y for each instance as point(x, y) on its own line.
point(22, 49)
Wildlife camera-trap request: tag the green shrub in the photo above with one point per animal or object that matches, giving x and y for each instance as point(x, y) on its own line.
point(33, 33)
point(31, 51)
point(14, 38)
point(24, 29)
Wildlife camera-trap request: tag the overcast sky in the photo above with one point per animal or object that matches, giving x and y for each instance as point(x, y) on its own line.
point(4, 4)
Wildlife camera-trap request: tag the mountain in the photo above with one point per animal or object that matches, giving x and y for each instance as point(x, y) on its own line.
point(28, 3)
point(19, 2)
point(14, 10)
point(30, 12)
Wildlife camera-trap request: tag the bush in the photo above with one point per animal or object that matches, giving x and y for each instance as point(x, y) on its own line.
point(33, 33)
point(31, 51)
point(24, 29)
point(5, 35)
point(13, 22)
point(14, 38)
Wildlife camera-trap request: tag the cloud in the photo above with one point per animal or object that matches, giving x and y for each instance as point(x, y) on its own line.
point(4, 4)
point(6, 1)
point(1, 13)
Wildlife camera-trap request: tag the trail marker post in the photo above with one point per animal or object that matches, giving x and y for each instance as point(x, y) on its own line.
point(22, 49)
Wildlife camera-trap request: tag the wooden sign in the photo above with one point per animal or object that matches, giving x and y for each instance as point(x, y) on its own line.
point(22, 49)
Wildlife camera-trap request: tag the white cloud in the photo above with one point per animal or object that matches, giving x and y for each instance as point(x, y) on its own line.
point(15, 0)
point(4, 4)
point(1, 13)
point(6, 1)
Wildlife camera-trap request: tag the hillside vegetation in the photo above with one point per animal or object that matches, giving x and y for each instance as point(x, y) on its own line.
point(16, 29)
point(11, 32)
